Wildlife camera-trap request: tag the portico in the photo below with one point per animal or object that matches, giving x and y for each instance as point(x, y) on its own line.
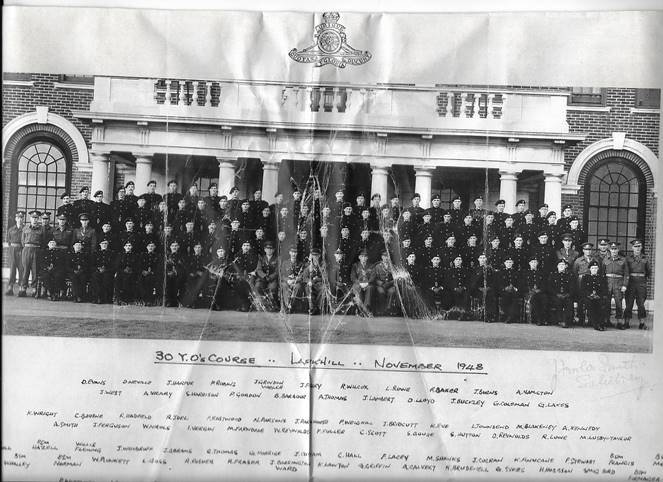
point(504, 131)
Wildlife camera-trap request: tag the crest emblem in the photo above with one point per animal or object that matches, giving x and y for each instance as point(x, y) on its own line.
point(330, 46)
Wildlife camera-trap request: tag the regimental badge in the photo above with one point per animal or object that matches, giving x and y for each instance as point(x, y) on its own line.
point(330, 46)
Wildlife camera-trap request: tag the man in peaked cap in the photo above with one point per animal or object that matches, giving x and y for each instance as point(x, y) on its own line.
point(567, 252)
point(267, 276)
point(639, 269)
point(85, 234)
point(31, 239)
point(14, 241)
point(363, 280)
point(580, 269)
point(616, 272)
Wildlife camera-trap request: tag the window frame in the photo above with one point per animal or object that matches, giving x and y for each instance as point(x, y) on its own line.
point(646, 95)
point(641, 208)
point(583, 99)
point(32, 138)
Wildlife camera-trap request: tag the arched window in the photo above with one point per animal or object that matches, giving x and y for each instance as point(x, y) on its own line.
point(615, 202)
point(41, 176)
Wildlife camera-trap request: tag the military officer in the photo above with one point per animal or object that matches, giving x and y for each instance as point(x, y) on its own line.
point(385, 289)
point(478, 211)
point(616, 272)
point(533, 287)
point(103, 273)
point(15, 243)
point(100, 212)
point(31, 240)
point(196, 276)
point(433, 285)
point(508, 283)
point(561, 287)
point(457, 286)
point(483, 288)
point(150, 276)
point(639, 269)
point(567, 252)
point(312, 279)
point(580, 269)
point(85, 234)
point(78, 262)
point(83, 204)
point(291, 287)
point(175, 274)
point(267, 277)
point(593, 289)
point(152, 198)
point(363, 283)
point(52, 270)
point(245, 265)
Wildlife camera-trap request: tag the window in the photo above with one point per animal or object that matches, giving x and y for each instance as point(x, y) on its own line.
point(16, 76)
point(42, 177)
point(587, 96)
point(648, 98)
point(78, 79)
point(615, 203)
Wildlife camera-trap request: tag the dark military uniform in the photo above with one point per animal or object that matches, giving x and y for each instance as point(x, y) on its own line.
point(175, 276)
point(69, 212)
point(151, 278)
point(433, 287)
point(483, 289)
point(508, 283)
point(103, 274)
point(533, 287)
point(457, 286)
point(363, 273)
point(196, 279)
point(594, 289)
point(88, 239)
point(312, 279)
point(561, 287)
point(52, 267)
point(244, 265)
point(78, 272)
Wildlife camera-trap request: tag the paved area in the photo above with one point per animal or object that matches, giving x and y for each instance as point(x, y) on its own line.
point(28, 316)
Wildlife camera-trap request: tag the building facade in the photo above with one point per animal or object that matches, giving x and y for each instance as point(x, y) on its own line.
point(596, 149)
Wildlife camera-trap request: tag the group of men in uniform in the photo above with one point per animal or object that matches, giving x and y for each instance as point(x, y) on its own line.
point(306, 252)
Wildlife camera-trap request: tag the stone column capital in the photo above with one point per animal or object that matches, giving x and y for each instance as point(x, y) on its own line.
point(143, 157)
point(99, 156)
point(507, 175)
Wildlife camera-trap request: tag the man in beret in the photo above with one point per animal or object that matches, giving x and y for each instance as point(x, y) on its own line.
point(52, 270)
point(196, 276)
point(533, 287)
point(482, 288)
point(508, 289)
point(436, 211)
point(234, 203)
point(433, 285)
point(456, 211)
point(593, 291)
point(639, 269)
point(152, 198)
point(172, 198)
point(103, 273)
point(563, 222)
point(100, 212)
point(519, 215)
point(15, 242)
point(83, 204)
point(67, 209)
point(579, 236)
point(245, 265)
point(554, 233)
point(212, 202)
point(78, 267)
point(31, 239)
point(337, 205)
point(312, 278)
point(542, 219)
point(544, 252)
point(191, 197)
point(499, 215)
point(120, 209)
point(478, 212)
point(561, 287)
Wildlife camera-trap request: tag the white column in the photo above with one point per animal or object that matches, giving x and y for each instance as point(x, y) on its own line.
point(143, 173)
point(226, 175)
point(508, 190)
point(102, 175)
point(553, 192)
point(422, 184)
point(379, 182)
point(270, 180)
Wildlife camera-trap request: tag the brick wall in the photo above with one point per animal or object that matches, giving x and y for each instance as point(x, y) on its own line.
point(18, 100)
point(642, 127)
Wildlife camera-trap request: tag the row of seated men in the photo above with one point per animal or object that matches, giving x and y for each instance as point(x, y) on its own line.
point(440, 279)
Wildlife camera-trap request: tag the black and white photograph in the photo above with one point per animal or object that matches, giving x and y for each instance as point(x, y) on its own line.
point(339, 212)
point(318, 243)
